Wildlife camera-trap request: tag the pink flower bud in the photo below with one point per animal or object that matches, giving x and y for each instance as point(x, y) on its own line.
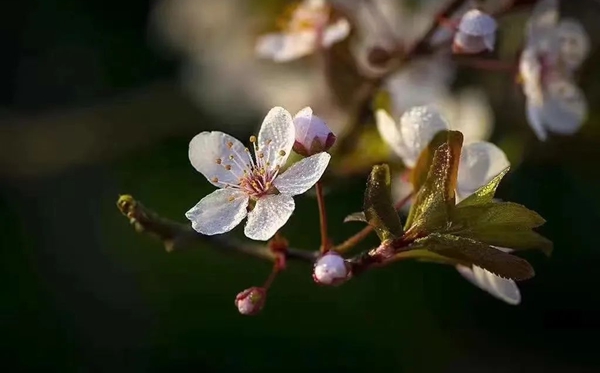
point(312, 134)
point(331, 269)
point(251, 300)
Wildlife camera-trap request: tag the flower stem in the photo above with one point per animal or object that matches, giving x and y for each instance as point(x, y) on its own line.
point(272, 276)
point(323, 218)
point(362, 234)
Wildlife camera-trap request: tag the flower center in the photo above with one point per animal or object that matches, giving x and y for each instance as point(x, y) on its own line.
point(254, 178)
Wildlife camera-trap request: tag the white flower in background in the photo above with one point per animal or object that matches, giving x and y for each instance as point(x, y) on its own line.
point(480, 162)
point(251, 183)
point(201, 33)
point(476, 33)
point(307, 30)
point(312, 133)
point(554, 51)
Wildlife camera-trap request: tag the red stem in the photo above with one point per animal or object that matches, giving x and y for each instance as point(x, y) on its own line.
point(322, 218)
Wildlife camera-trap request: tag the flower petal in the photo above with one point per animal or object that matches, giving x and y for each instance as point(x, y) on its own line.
point(477, 23)
point(389, 131)
point(544, 18)
point(270, 213)
point(417, 127)
point(470, 113)
point(565, 106)
point(574, 43)
point(535, 117)
point(302, 175)
point(479, 163)
point(276, 136)
point(501, 288)
point(210, 153)
point(286, 47)
point(335, 32)
point(218, 212)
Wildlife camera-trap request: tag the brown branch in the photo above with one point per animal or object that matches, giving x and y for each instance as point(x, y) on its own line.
point(177, 236)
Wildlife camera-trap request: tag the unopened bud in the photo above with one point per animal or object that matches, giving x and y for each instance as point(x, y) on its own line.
point(476, 33)
point(331, 269)
point(251, 300)
point(312, 134)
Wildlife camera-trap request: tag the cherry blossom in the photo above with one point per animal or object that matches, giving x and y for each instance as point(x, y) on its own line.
point(480, 162)
point(251, 301)
point(554, 50)
point(309, 28)
point(250, 186)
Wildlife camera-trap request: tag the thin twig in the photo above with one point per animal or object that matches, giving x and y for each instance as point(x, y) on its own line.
point(177, 236)
point(322, 217)
point(364, 233)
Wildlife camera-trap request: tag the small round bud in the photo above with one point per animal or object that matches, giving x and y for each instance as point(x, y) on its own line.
point(312, 134)
point(251, 300)
point(331, 269)
point(476, 33)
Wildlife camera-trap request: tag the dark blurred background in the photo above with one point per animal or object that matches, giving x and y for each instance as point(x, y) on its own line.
point(91, 107)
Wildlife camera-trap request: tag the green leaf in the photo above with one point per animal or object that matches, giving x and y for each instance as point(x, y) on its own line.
point(485, 194)
point(511, 237)
point(504, 224)
point(470, 252)
point(356, 216)
point(436, 198)
point(378, 205)
point(495, 213)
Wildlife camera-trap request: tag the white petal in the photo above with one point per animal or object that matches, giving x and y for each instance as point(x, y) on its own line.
point(270, 213)
point(421, 82)
point(490, 41)
point(477, 23)
point(530, 70)
point(544, 18)
point(479, 163)
point(207, 148)
point(565, 106)
point(276, 136)
point(218, 212)
point(470, 113)
point(417, 127)
point(302, 175)
point(389, 131)
point(286, 47)
point(335, 32)
point(501, 288)
point(466, 43)
point(574, 43)
point(535, 117)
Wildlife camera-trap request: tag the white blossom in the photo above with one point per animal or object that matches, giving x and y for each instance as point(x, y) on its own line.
point(476, 33)
point(479, 163)
point(251, 183)
point(480, 160)
point(308, 29)
point(554, 50)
